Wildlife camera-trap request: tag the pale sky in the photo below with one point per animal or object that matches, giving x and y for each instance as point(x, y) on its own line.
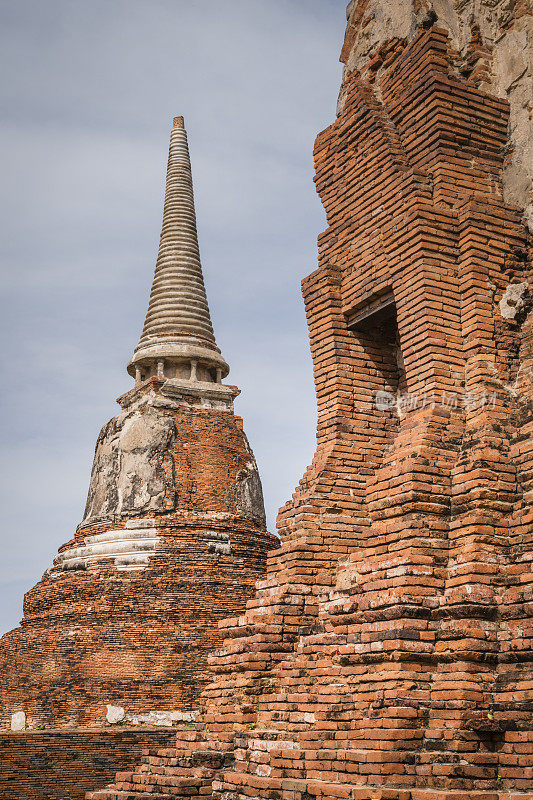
point(88, 94)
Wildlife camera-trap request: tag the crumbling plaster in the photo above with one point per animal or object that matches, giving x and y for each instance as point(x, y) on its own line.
point(128, 475)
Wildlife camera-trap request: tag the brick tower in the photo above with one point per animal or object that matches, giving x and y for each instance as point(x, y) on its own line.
point(387, 653)
point(173, 537)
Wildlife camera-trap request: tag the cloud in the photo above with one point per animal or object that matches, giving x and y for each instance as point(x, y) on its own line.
point(88, 96)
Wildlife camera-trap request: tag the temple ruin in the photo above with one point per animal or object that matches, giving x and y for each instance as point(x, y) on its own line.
point(387, 654)
point(387, 651)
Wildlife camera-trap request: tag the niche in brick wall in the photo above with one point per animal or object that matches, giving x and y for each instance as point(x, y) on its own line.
point(375, 329)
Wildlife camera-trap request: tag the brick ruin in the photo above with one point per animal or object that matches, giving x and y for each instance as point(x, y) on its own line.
point(386, 654)
point(173, 536)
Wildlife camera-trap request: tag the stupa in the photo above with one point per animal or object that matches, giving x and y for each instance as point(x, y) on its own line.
point(173, 536)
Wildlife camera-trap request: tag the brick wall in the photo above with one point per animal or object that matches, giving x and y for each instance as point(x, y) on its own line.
point(63, 765)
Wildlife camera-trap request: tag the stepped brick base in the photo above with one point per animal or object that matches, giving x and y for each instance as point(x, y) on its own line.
point(197, 766)
point(186, 770)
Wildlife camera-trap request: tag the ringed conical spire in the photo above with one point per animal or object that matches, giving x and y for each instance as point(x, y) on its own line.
point(178, 325)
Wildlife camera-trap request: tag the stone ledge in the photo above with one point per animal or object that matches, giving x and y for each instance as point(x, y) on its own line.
point(130, 547)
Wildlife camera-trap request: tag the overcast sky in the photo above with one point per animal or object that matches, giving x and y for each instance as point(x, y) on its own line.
point(88, 94)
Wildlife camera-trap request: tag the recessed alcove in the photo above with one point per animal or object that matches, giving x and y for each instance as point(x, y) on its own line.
point(375, 327)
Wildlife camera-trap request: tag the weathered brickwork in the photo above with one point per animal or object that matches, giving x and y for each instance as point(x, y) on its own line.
point(139, 638)
point(387, 652)
point(173, 537)
point(63, 765)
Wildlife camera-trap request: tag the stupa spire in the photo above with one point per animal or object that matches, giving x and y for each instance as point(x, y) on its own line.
point(178, 331)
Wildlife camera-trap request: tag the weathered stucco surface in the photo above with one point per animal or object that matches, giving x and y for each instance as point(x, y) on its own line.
point(500, 31)
point(131, 466)
point(248, 493)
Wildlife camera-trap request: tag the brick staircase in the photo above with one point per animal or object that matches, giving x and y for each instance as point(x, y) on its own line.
point(186, 770)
